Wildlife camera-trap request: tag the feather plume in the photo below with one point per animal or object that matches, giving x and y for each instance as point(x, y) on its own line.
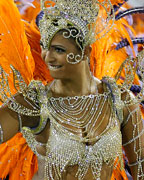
point(17, 159)
point(114, 2)
point(31, 13)
point(14, 47)
point(105, 60)
point(41, 71)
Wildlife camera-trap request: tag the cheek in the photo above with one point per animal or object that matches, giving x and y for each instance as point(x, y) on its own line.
point(61, 58)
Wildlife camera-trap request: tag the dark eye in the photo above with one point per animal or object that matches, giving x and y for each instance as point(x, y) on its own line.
point(59, 50)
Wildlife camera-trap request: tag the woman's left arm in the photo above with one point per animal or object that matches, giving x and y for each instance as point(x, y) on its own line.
point(133, 139)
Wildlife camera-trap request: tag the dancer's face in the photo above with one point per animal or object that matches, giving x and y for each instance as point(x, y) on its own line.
point(56, 57)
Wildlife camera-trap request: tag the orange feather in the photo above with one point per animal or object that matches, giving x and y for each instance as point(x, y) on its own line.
point(14, 47)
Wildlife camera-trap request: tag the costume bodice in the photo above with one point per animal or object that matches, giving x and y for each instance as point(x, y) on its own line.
point(64, 149)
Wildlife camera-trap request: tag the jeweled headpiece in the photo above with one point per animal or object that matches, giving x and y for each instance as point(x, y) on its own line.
point(79, 18)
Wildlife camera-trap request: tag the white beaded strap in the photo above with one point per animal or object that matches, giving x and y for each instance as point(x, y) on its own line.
point(136, 163)
point(141, 176)
point(1, 135)
point(130, 114)
point(133, 139)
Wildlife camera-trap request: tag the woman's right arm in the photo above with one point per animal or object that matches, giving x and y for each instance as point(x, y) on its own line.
point(11, 121)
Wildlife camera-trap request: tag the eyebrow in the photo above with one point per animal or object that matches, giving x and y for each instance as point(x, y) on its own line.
point(57, 45)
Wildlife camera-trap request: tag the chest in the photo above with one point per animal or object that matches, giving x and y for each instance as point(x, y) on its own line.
point(80, 133)
point(84, 121)
point(63, 152)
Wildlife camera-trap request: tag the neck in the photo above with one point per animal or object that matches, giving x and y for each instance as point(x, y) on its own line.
point(79, 84)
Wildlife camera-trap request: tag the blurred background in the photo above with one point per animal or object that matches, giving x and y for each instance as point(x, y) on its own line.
point(136, 2)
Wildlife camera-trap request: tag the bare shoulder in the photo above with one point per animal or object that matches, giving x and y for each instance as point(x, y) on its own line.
point(129, 99)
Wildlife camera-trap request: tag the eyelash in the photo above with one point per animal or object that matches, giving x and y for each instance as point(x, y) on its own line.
point(59, 50)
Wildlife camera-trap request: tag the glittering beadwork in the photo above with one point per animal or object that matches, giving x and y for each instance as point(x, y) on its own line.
point(78, 19)
point(129, 67)
point(80, 113)
point(30, 93)
point(37, 93)
point(19, 84)
point(66, 148)
point(135, 140)
point(62, 151)
point(136, 163)
point(117, 103)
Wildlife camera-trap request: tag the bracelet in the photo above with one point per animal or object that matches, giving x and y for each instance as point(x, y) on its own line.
point(136, 163)
point(1, 135)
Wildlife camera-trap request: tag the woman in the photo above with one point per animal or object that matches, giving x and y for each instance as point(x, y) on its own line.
point(77, 123)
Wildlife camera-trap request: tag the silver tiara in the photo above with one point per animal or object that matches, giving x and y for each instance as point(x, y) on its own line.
point(82, 19)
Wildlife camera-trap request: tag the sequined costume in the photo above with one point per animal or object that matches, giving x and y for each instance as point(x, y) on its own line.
point(19, 157)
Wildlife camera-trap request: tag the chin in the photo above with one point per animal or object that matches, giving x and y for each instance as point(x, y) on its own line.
point(56, 75)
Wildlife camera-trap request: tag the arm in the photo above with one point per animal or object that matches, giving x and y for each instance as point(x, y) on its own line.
point(11, 121)
point(133, 139)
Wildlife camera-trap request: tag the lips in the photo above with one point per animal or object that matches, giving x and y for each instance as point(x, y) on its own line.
point(54, 67)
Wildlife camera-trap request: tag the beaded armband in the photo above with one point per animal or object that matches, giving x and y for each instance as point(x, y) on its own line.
point(34, 94)
point(42, 99)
